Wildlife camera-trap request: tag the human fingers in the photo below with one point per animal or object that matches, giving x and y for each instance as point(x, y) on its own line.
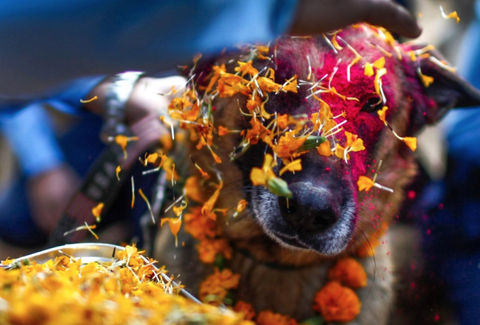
point(319, 16)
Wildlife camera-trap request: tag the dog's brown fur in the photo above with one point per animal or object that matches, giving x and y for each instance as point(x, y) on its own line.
point(284, 279)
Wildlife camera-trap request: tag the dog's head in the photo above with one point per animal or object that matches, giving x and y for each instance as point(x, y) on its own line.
point(344, 80)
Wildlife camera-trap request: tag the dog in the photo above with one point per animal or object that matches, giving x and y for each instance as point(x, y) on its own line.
point(283, 245)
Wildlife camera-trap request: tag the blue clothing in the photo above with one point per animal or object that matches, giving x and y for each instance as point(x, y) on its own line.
point(30, 133)
point(46, 42)
point(38, 149)
point(452, 245)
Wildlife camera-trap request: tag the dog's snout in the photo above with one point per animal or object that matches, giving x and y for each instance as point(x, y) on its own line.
point(311, 209)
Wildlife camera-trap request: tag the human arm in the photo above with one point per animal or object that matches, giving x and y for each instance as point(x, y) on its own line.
point(50, 182)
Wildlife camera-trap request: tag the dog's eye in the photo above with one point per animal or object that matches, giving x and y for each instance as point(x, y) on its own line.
point(373, 104)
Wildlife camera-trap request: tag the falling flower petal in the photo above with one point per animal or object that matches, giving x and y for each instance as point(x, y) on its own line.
point(368, 70)
point(97, 210)
point(411, 142)
point(174, 224)
point(294, 166)
point(364, 183)
point(381, 114)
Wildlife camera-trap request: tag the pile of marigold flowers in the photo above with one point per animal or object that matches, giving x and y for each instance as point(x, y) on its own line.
point(126, 290)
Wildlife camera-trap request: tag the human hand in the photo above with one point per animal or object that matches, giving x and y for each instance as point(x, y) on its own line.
point(318, 16)
point(49, 194)
point(145, 99)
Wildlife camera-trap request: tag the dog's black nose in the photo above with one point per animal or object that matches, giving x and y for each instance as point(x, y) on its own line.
point(311, 209)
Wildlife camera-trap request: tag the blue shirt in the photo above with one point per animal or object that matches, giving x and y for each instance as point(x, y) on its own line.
point(46, 42)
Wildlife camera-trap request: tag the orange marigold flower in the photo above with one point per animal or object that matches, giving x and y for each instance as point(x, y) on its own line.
point(283, 121)
point(349, 272)
point(267, 317)
point(246, 309)
point(208, 206)
point(198, 225)
point(209, 248)
point(222, 131)
point(337, 303)
point(218, 283)
point(217, 71)
point(268, 85)
point(288, 144)
point(193, 189)
point(246, 68)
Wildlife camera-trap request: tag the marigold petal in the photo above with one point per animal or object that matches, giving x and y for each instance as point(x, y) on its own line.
point(337, 303)
point(349, 272)
point(368, 70)
point(411, 142)
point(364, 183)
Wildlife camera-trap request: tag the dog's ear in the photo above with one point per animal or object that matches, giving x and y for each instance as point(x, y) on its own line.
point(436, 87)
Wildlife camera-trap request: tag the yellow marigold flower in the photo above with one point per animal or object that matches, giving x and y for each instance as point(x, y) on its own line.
point(368, 70)
point(245, 309)
point(217, 71)
point(380, 63)
point(349, 272)
point(260, 176)
point(411, 142)
point(209, 248)
point(337, 303)
point(199, 225)
point(288, 144)
point(246, 68)
point(268, 85)
point(218, 283)
point(353, 143)
point(193, 190)
point(269, 318)
point(364, 183)
point(324, 149)
point(382, 114)
point(294, 166)
point(341, 152)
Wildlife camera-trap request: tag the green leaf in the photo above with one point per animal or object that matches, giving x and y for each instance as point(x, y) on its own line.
point(311, 142)
point(279, 187)
point(317, 320)
point(219, 261)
